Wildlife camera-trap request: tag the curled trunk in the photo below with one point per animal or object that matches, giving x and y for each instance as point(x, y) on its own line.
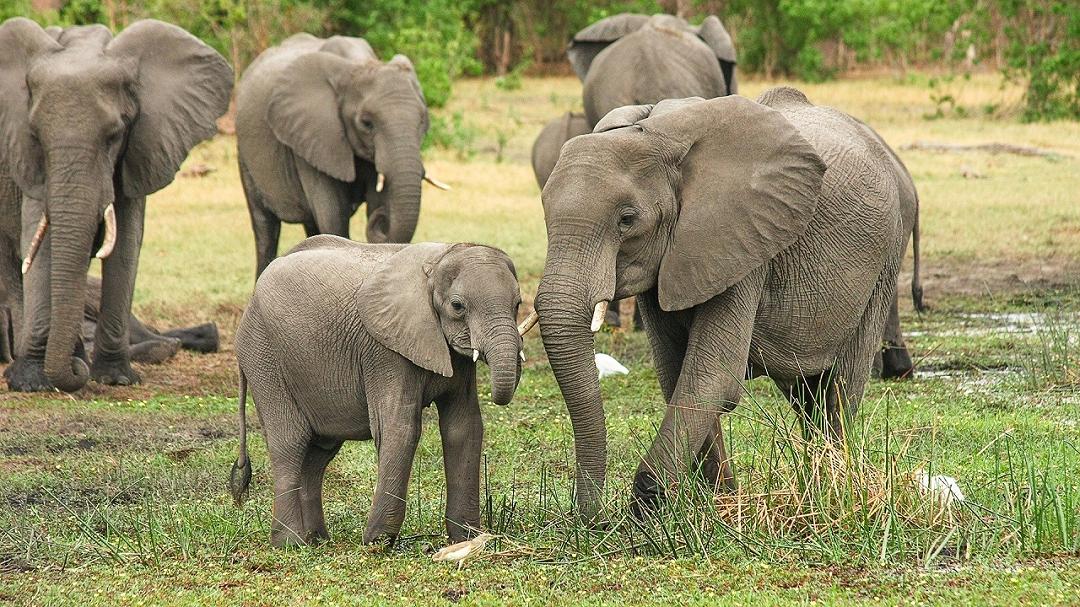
point(404, 172)
point(502, 357)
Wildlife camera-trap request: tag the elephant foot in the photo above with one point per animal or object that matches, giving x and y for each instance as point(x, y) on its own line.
point(201, 338)
point(317, 536)
point(113, 372)
point(154, 351)
point(27, 375)
point(648, 494)
point(283, 537)
point(896, 362)
point(380, 537)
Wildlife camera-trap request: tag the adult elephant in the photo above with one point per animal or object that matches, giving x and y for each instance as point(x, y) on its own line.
point(545, 150)
point(89, 126)
point(759, 239)
point(323, 126)
point(145, 344)
point(630, 59)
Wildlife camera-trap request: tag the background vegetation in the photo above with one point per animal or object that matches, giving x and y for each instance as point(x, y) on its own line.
point(1034, 42)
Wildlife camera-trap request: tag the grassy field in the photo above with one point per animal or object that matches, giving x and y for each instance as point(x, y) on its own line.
point(118, 496)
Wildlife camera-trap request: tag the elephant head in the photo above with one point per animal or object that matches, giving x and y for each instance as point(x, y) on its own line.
point(686, 197)
point(428, 299)
point(591, 41)
point(341, 103)
point(86, 118)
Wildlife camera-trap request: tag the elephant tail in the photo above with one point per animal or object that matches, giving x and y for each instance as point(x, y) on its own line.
point(916, 281)
point(240, 477)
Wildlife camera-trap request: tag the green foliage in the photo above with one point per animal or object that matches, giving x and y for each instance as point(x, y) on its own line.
point(1044, 49)
point(431, 33)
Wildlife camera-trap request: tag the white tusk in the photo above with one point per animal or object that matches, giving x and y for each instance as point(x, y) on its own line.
point(35, 243)
point(529, 322)
point(598, 316)
point(522, 355)
point(110, 233)
point(435, 182)
point(380, 182)
point(475, 355)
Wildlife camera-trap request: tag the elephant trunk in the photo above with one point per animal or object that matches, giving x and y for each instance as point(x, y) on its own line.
point(72, 226)
point(502, 353)
point(565, 306)
point(404, 172)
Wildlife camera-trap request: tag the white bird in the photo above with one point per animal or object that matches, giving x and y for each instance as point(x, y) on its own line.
point(945, 488)
point(607, 365)
point(459, 552)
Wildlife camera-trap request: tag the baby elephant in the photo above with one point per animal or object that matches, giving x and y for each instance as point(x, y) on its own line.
point(348, 341)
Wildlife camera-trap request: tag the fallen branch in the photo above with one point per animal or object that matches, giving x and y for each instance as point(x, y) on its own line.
point(992, 148)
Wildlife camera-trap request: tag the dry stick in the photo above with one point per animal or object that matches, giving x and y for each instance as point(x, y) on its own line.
point(992, 148)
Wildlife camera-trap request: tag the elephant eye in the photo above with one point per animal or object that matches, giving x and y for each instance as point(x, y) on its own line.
point(457, 305)
point(626, 221)
point(367, 123)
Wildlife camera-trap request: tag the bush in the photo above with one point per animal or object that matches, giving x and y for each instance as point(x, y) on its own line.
point(1044, 49)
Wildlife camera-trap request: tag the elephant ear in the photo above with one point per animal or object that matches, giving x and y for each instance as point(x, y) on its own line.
point(21, 40)
point(348, 47)
point(589, 42)
point(183, 87)
point(395, 307)
point(304, 115)
point(712, 32)
point(748, 187)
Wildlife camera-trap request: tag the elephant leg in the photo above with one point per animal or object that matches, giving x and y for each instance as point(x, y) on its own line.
point(310, 229)
point(852, 369)
point(667, 338)
point(462, 431)
point(710, 382)
point(286, 466)
point(808, 397)
point(614, 314)
point(200, 338)
point(328, 198)
point(716, 467)
point(265, 225)
point(395, 425)
point(11, 288)
point(27, 373)
point(895, 358)
point(314, 470)
point(378, 222)
point(112, 361)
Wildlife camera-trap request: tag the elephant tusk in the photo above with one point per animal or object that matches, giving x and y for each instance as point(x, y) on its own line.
point(475, 355)
point(522, 355)
point(598, 316)
point(435, 182)
point(529, 322)
point(35, 243)
point(380, 182)
point(110, 233)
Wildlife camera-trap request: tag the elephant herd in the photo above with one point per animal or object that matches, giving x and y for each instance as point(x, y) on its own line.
point(758, 238)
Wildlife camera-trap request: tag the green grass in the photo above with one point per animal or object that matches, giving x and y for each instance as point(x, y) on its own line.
point(118, 496)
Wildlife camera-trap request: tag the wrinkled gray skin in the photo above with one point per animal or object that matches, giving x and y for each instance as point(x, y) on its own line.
point(545, 150)
point(631, 59)
point(88, 120)
point(758, 239)
point(347, 341)
point(893, 361)
point(146, 344)
point(316, 121)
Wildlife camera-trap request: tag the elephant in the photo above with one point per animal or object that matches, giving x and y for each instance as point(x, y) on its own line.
point(323, 126)
point(349, 341)
point(630, 59)
point(146, 344)
point(90, 124)
point(545, 150)
point(759, 239)
point(893, 361)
